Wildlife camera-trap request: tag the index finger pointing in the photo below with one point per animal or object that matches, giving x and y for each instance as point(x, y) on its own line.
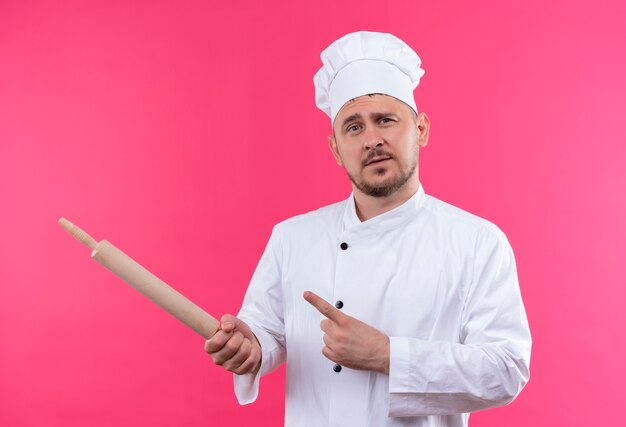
point(323, 306)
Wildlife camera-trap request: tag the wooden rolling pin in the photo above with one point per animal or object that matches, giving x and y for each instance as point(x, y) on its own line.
point(145, 282)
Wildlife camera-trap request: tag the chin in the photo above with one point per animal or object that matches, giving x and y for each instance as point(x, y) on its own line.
point(381, 179)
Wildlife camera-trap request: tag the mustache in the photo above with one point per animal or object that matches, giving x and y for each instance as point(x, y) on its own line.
point(377, 152)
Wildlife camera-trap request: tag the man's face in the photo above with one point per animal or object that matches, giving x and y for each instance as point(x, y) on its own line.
point(376, 139)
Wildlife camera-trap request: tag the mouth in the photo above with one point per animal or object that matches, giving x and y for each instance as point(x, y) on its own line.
point(377, 160)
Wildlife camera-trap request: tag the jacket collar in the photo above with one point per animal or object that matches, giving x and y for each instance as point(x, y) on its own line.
point(355, 228)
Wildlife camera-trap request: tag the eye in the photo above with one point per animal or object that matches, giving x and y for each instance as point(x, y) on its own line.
point(386, 120)
point(352, 128)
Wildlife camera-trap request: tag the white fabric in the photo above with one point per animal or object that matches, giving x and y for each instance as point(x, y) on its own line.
point(439, 281)
point(362, 63)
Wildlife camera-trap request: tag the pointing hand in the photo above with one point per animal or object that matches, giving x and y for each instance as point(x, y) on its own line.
point(350, 342)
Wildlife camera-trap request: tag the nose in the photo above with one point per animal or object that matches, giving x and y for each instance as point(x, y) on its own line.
point(372, 138)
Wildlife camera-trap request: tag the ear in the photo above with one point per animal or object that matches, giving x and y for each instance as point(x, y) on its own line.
point(423, 125)
point(332, 144)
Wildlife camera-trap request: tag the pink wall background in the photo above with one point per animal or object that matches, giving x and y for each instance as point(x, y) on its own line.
point(182, 131)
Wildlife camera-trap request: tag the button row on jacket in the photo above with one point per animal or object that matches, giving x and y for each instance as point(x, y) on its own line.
point(339, 303)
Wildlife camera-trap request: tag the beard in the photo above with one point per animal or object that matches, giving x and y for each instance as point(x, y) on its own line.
point(389, 185)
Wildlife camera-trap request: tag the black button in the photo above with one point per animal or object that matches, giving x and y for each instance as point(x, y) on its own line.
point(339, 304)
point(344, 246)
point(337, 368)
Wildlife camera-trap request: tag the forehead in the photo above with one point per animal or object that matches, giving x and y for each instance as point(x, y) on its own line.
point(374, 103)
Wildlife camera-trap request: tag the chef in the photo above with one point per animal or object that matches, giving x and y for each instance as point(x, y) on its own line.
point(391, 307)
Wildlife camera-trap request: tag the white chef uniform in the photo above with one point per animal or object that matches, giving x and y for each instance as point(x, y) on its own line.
point(440, 282)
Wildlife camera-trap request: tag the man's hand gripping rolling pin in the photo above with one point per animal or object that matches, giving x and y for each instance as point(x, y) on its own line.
point(234, 347)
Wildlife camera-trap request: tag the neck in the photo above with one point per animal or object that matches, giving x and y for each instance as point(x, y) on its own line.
point(368, 207)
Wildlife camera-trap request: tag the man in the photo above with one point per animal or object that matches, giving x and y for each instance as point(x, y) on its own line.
point(391, 307)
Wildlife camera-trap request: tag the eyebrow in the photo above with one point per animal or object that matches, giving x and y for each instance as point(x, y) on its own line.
point(349, 119)
point(357, 116)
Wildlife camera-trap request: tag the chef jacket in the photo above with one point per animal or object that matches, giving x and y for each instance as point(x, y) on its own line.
point(440, 282)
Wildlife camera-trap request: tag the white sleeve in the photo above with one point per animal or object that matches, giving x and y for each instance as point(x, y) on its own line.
point(262, 310)
point(490, 364)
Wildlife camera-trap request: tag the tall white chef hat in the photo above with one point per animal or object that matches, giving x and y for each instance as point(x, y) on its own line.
point(362, 63)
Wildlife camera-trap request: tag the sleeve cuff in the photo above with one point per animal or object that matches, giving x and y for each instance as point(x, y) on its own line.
point(399, 365)
point(247, 387)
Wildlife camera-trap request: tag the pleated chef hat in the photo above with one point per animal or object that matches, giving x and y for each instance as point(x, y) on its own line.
point(362, 63)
